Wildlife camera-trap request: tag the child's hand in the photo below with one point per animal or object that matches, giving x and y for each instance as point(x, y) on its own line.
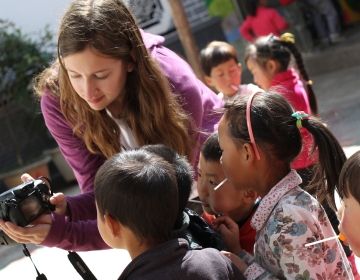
point(239, 263)
point(229, 231)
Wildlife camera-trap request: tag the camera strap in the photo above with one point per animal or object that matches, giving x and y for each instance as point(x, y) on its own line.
point(75, 260)
point(80, 266)
point(27, 254)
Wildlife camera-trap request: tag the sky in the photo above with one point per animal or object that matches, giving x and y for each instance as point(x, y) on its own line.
point(31, 16)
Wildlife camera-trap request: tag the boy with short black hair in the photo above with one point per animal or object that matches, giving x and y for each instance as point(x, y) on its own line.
point(223, 71)
point(137, 203)
point(238, 205)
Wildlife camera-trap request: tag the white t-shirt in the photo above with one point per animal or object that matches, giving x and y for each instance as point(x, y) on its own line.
point(127, 138)
point(243, 90)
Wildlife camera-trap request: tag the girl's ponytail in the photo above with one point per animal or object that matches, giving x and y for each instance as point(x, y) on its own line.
point(290, 44)
point(331, 159)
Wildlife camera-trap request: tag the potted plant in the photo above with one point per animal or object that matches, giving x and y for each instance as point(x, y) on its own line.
point(23, 135)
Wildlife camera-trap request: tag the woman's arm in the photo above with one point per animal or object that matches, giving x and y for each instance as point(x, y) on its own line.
point(197, 100)
point(68, 232)
point(83, 163)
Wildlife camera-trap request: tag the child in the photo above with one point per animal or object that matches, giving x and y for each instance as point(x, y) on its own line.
point(261, 21)
point(223, 71)
point(189, 225)
point(239, 205)
point(137, 205)
point(259, 137)
point(349, 186)
point(268, 59)
point(325, 20)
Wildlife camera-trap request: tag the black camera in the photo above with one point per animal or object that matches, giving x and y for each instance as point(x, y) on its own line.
point(24, 203)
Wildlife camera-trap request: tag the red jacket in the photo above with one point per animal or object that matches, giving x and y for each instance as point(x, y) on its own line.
point(267, 21)
point(246, 232)
point(290, 86)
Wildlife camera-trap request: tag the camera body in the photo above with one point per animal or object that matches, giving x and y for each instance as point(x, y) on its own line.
point(24, 203)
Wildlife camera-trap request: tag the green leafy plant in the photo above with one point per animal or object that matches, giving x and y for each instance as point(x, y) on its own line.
point(23, 134)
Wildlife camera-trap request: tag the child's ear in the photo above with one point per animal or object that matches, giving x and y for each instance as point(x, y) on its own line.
point(240, 66)
point(208, 80)
point(272, 66)
point(248, 153)
point(250, 196)
point(113, 225)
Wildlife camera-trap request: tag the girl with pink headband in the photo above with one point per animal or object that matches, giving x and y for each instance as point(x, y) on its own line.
point(259, 137)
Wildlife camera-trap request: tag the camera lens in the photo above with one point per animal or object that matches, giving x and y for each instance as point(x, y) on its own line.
point(30, 207)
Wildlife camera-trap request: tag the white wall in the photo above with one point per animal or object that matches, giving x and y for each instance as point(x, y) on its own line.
point(31, 16)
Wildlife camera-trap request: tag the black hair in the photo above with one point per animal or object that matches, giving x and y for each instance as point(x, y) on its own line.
point(272, 47)
point(210, 150)
point(215, 53)
point(276, 132)
point(349, 181)
point(183, 173)
point(139, 189)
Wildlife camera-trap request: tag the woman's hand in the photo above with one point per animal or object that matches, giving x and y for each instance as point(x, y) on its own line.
point(34, 233)
point(38, 230)
point(229, 231)
point(58, 199)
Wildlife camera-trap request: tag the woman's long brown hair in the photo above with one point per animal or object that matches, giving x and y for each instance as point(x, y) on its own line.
point(148, 106)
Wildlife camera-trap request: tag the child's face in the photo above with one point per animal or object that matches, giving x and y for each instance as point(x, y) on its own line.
point(349, 224)
point(226, 200)
point(232, 158)
point(262, 76)
point(226, 77)
point(203, 184)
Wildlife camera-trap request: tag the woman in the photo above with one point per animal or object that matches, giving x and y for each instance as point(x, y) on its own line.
point(109, 91)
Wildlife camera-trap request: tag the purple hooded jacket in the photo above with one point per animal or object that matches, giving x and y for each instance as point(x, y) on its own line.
point(78, 230)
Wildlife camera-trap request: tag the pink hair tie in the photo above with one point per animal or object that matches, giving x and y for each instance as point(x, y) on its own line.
point(248, 123)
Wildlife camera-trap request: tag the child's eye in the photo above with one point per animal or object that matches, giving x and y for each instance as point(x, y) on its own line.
point(213, 183)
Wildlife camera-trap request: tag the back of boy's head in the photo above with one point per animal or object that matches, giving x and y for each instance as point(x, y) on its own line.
point(210, 150)
point(349, 181)
point(280, 50)
point(215, 53)
point(276, 131)
point(139, 189)
point(183, 171)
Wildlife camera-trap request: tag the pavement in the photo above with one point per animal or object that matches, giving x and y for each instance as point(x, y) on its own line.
point(337, 88)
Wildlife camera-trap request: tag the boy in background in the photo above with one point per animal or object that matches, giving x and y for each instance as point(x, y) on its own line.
point(226, 200)
point(137, 205)
point(223, 71)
